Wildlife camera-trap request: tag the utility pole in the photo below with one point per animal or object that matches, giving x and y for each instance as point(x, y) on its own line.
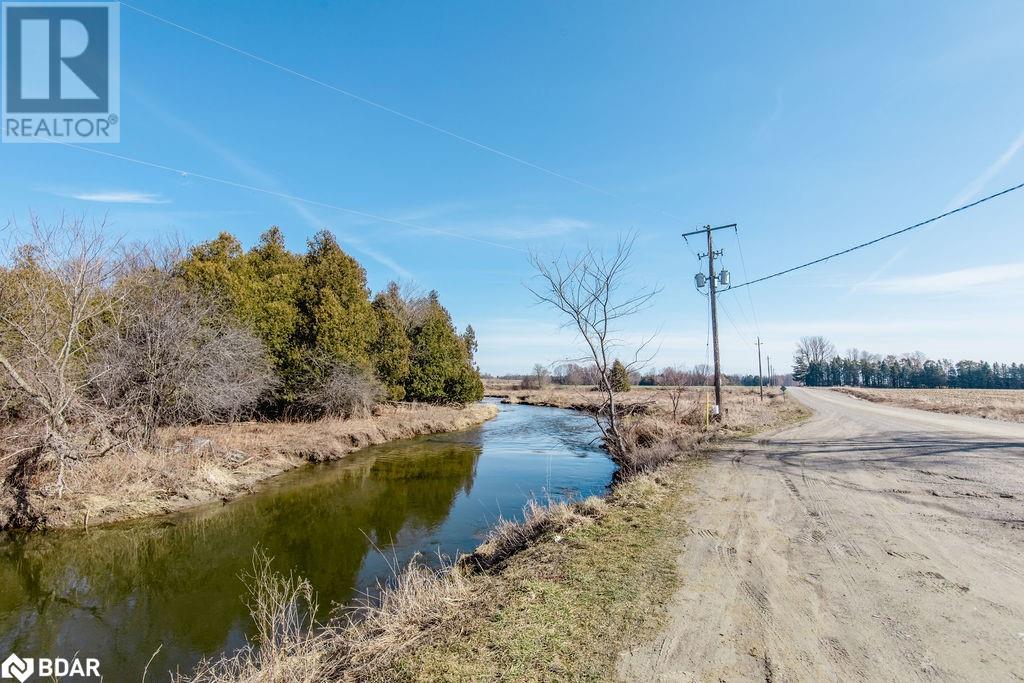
point(760, 377)
point(714, 279)
point(771, 377)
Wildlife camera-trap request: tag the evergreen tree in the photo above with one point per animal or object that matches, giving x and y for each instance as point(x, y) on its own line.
point(314, 315)
point(335, 303)
point(270, 277)
point(391, 349)
point(619, 376)
point(469, 339)
point(441, 369)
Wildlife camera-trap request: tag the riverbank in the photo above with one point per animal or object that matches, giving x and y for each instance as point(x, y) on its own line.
point(196, 465)
point(539, 600)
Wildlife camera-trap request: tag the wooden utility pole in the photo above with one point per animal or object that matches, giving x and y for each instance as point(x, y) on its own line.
point(771, 377)
point(760, 377)
point(714, 325)
point(713, 281)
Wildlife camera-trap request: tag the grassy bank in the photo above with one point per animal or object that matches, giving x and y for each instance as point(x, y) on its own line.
point(555, 597)
point(991, 404)
point(563, 607)
point(195, 465)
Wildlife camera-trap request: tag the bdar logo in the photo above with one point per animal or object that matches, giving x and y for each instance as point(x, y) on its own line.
point(16, 667)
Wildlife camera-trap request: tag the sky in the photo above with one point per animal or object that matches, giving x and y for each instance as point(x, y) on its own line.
point(442, 142)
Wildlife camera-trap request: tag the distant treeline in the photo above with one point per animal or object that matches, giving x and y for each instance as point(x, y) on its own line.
point(575, 374)
point(816, 363)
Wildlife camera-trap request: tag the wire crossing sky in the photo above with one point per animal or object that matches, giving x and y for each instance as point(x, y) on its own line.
point(442, 143)
point(878, 239)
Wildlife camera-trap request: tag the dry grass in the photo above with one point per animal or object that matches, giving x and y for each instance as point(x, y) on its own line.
point(556, 589)
point(541, 598)
point(196, 465)
point(745, 412)
point(355, 645)
point(509, 537)
point(991, 404)
point(290, 647)
point(562, 608)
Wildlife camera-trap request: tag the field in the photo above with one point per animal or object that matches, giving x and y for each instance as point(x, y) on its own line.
point(991, 404)
point(745, 412)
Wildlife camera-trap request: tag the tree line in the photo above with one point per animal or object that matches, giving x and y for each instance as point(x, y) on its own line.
point(314, 314)
point(103, 343)
point(816, 363)
point(577, 374)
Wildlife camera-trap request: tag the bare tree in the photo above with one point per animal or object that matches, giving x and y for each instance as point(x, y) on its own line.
point(816, 349)
point(576, 374)
point(538, 379)
point(675, 395)
point(170, 357)
point(700, 375)
point(587, 291)
point(55, 287)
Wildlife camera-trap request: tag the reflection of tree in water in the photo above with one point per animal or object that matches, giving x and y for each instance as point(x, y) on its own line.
point(119, 592)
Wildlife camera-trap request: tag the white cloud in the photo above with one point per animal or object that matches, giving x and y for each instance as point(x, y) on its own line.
point(972, 188)
point(518, 228)
point(119, 197)
point(881, 270)
point(951, 281)
point(533, 229)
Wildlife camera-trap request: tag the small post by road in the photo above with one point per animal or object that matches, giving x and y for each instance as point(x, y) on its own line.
point(760, 377)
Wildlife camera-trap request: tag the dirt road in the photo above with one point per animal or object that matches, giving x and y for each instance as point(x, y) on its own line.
point(868, 543)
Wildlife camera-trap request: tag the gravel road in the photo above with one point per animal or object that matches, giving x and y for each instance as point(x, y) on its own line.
point(868, 543)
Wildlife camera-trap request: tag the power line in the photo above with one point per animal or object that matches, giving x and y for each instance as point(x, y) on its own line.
point(735, 327)
point(883, 237)
point(739, 306)
point(284, 195)
point(395, 112)
point(743, 263)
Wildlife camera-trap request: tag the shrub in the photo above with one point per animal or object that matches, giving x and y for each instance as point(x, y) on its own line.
point(336, 389)
point(170, 358)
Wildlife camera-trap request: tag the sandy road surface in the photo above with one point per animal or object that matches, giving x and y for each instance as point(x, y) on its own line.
point(868, 543)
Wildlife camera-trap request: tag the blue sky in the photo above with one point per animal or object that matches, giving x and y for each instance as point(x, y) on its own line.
point(813, 128)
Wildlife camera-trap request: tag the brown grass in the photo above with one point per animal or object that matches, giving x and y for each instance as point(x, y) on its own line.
point(745, 412)
point(196, 465)
point(290, 647)
point(552, 597)
point(509, 537)
point(991, 404)
point(355, 645)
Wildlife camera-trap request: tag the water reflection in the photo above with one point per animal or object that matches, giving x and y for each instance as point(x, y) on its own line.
point(119, 592)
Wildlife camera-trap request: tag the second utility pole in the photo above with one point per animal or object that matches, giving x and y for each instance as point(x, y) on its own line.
point(760, 377)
